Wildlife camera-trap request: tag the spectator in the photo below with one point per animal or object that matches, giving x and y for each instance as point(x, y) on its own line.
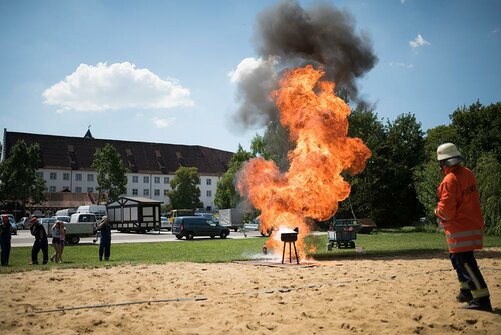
point(5, 240)
point(56, 242)
point(41, 242)
point(62, 239)
point(105, 244)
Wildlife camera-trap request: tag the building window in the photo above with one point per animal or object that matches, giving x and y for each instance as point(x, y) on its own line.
point(78, 177)
point(78, 189)
point(165, 193)
point(157, 193)
point(53, 176)
point(146, 192)
point(134, 179)
point(209, 193)
point(209, 181)
point(40, 174)
point(90, 189)
point(52, 189)
point(90, 177)
point(146, 179)
point(166, 180)
point(134, 191)
point(66, 176)
point(157, 180)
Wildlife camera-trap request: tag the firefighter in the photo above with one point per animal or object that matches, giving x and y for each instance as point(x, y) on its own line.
point(458, 211)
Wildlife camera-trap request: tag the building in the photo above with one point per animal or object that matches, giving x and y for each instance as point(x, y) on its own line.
point(65, 164)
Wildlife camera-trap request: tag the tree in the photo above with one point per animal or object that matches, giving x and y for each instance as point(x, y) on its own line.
point(478, 130)
point(111, 173)
point(405, 145)
point(427, 177)
point(488, 173)
point(185, 192)
point(385, 191)
point(226, 193)
point(365, 125)
point(19, 181)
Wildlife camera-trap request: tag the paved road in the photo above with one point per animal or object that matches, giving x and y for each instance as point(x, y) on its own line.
point(24, 238)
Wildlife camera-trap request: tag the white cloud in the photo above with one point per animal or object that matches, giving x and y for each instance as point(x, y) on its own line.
point(114, 87)
point(248, 66)
point(418, 41)
point(163, 123)
point(401, 65)
point(403, 2)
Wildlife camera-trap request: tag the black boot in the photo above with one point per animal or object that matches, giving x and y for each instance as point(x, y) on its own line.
point(480, 304)
point(464, 296)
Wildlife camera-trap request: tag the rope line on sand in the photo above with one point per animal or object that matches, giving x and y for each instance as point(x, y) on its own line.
point(264, 291)
point(64, 309)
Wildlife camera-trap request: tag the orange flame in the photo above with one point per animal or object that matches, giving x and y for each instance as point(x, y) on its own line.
point(317, 121)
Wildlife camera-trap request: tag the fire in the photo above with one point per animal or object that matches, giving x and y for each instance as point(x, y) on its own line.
point(317, 121)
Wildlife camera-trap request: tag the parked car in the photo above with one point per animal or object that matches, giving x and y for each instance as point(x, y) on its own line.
point(24, 223)
point(165, 223)
point(13, 226)
point(191, 226)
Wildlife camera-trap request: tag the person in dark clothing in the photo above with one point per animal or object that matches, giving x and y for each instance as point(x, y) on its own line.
point(41, 242)
point(105, 244)
point(5, 239)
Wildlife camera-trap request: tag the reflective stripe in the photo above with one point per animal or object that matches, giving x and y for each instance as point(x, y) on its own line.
point(464, 285)
point(480, 293)
point(473, 278)
point(464, 233)
point(456, 245)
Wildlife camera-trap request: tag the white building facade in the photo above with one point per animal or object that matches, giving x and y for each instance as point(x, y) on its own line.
point(65, 165)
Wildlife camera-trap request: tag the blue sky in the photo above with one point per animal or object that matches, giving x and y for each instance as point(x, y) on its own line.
point(160, 71)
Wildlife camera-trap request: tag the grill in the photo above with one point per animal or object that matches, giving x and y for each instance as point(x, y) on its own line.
point(290, 238)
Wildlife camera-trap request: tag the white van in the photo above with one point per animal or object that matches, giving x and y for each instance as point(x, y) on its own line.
point(66, 212)
point(98, 210)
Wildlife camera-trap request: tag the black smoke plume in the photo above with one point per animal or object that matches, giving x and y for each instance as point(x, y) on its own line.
point(289, 36)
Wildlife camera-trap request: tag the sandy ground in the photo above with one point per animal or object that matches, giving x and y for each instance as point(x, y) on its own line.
point(400, 295)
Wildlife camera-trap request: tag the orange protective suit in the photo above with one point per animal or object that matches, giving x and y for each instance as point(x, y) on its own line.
point(459, 210)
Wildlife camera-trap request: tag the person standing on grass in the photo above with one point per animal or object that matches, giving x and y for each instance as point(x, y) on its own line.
point(41, 242)
point(56, 242)
point(105, 244)
point(5, 240)
point(62, 239)
point(459, 213)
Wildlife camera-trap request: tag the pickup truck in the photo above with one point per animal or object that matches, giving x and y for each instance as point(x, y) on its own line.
point(80, 225)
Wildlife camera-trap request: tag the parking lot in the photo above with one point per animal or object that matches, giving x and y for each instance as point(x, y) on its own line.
point(24, 238)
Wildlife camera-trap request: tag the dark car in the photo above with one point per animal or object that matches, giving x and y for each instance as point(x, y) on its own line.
point(191, 226)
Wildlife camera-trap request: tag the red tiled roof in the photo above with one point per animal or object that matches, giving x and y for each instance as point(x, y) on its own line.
point(61, 200)
point(64, 152)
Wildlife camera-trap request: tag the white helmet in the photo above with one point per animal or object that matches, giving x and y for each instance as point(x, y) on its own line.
point(449, 154)
point(446, 151)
